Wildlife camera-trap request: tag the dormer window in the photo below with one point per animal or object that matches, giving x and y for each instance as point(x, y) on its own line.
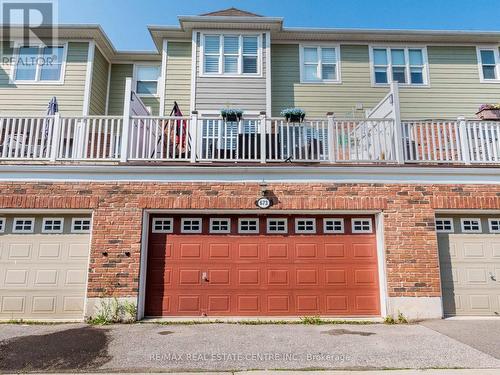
point(231, 54)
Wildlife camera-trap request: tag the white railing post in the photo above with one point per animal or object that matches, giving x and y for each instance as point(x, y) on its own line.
point(464, 139)
point(126, 121)
point(331, 137)
point(193, 136)
point(398, 127)
point(263, 128)
point(56, 135)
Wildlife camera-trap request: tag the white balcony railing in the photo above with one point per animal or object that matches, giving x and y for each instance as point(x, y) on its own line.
point(257, 139)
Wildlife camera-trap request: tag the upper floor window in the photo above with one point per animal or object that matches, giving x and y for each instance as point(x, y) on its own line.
point(231, 54)
point(489, 61)
point(320, 64)
point(404, 65)
point(39, 64)
point(146, 78)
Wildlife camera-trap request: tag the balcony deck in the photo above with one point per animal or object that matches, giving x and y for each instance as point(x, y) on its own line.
point(258, 140)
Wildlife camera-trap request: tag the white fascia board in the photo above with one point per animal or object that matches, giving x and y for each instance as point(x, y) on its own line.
point(272, 174)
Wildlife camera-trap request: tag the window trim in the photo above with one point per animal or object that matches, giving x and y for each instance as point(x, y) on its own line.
point(333, 231)
point(240, 231)
point(4, 223)
point(80, 231)
point(496, 53)
point(183, 231)
point(361, 231)
point(221, 34)
point(52, 231)
point(136, 67)
point(305, 231)
point(268, 221)
point(406, 48)
point(462, 221)
point(319, 46)
point(490, 222)
point(219, 231)
point(37, 81)
point(452, 230)
point(23, 231)
point(155, 219)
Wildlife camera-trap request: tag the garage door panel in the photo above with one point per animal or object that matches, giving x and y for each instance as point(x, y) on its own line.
point(275, 275)
point(467, 261)
point(43, 275)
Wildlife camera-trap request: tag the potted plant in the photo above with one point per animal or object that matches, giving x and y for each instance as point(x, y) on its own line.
point(293, 114)
point(231, 115)
point(489, 112)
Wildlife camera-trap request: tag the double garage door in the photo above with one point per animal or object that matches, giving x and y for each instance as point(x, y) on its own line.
point(43, 266)
point(469, 252)
point(262, 266)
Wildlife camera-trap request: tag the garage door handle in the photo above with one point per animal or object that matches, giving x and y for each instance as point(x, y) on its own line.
point(492, 277)
point(204, 276)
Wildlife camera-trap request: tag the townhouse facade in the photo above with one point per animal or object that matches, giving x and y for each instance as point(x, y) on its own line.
point(384, 199)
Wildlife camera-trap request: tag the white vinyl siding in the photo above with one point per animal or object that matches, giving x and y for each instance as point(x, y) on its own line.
point(406, 65)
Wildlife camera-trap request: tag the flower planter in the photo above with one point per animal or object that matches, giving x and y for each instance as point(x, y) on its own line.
point(295, 118)
point(489, 114)
point(232, 117)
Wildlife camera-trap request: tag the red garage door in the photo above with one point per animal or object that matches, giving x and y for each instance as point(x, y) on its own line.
point(262, 266)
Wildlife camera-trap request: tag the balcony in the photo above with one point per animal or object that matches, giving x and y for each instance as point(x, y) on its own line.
point(261, 139)
point(380, 138)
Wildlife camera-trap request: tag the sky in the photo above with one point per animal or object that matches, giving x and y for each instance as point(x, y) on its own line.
point(125, 21)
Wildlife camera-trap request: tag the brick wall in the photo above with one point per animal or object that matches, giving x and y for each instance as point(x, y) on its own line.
point(411, 245)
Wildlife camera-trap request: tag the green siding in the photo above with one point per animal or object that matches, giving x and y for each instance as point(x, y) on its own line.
point(99, 86)
point(178, 77)
point(119, 73)
point(454, 85)
point(153, 102)
point(34, 98)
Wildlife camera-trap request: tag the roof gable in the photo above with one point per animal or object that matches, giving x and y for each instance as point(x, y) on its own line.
point(231, 12)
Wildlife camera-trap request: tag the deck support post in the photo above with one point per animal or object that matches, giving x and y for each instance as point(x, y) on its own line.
point(464, 139)
point(193, 136)
point(263, 129)
point(56, 135)
point(126, 121)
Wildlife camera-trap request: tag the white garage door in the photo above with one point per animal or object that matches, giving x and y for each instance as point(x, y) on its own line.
point(43, 266)
point(469, 252)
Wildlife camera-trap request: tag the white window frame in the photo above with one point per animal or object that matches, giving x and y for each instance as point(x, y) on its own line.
point(23, 231)
point(190, 231)
point(3, 222)
point(52, 231)
point(78, 231)
point(353, 224)
point(136, 68)
point(452, 230)
point(162, 219)
point(220, 231)
point(249, 231)
point(319, 46)
point(305, 231)
point(37, 81)
point(496, 53)
point(221, 73)
point(490, 225)
point(462, 225)
point(268, 222)
point(325, 222)
point(406, 48)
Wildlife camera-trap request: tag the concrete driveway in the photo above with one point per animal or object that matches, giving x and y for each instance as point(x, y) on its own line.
point(218, 347)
